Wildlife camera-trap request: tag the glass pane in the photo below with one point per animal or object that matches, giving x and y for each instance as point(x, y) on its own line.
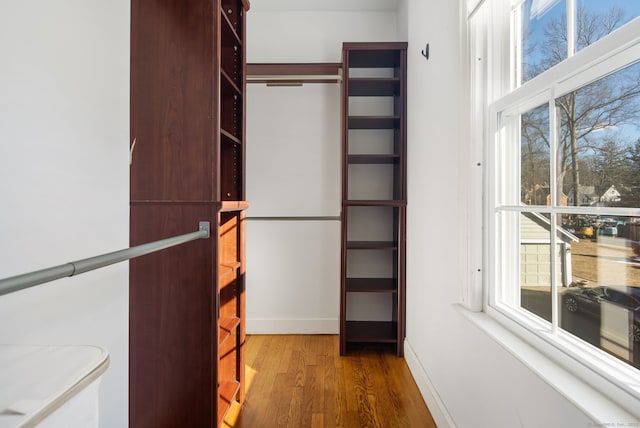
point(597, 18)
point(534, 156)
point(598, 152)
point(600, 302)
point(544, 29)
point(535, 264)
point(544, 40)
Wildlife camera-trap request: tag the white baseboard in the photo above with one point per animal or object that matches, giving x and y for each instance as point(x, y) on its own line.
point(293, 326)
point(437, 408)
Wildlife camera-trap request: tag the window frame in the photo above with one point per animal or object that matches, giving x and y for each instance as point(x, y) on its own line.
point(616, 379)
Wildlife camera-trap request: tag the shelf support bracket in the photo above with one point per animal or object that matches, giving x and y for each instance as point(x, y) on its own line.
point(205, 226)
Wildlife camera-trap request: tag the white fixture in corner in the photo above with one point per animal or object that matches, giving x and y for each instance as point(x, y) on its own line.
point(50, 386)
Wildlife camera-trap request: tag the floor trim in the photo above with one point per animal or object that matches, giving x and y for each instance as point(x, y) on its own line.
point(436, 406)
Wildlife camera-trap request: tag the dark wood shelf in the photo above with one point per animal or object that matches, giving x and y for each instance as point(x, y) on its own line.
point(265, 72)
point(230, 206)
point(374, 87)
point(227, 393)
point(369, 57)
point(227, 326)
point(231, 44)
point(230, 137)
point(372, 245)
point(373, 159)
point(228, 86)
point(371, 285)
point(226, 269)
point(371, 331)
point(228, 30)
point(373, 122)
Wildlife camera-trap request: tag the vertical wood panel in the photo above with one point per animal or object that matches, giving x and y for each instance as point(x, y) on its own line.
point(173, 111)
point(171, 320)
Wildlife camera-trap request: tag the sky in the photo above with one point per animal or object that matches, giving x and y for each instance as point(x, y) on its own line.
point(543, 10)
point(537, 13)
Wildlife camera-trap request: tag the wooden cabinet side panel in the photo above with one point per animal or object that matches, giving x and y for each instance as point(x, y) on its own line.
point(172, 321)
point(173, 92)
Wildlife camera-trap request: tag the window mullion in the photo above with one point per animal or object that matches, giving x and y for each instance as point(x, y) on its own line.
point(571, 28)
point(553, 202)
point(516, 31)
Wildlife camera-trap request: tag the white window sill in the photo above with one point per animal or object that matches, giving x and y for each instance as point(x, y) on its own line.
point(547, 362)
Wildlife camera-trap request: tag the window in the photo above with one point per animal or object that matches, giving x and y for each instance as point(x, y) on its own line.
point(562, 184)
point(546, 32)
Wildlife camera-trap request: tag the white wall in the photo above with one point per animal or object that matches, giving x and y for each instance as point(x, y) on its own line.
point(316, 36)
point(403, 20)
point(64, 124)
point(467, 379)
point(293, 227)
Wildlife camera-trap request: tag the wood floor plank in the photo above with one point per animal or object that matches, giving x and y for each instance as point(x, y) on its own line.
point(334, 394)
point(266, 365)
point(284, 353)
point(301, 381)
point(381, 396)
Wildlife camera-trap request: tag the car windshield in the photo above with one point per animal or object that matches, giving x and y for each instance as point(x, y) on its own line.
point(596, 292)
point(622, 298)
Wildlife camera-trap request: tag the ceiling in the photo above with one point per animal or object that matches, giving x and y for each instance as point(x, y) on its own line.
point(323, 5)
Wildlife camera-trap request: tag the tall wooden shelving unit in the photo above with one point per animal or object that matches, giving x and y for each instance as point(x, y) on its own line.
point(374, 195)
point(187, 120)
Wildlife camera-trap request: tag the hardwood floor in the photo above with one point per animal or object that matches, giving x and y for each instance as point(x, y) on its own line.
point(301, 381)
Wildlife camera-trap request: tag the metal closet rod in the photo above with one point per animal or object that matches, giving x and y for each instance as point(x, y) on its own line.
point(26, 280)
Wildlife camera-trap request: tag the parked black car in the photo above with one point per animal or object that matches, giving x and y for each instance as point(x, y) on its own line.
point(589, 301)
